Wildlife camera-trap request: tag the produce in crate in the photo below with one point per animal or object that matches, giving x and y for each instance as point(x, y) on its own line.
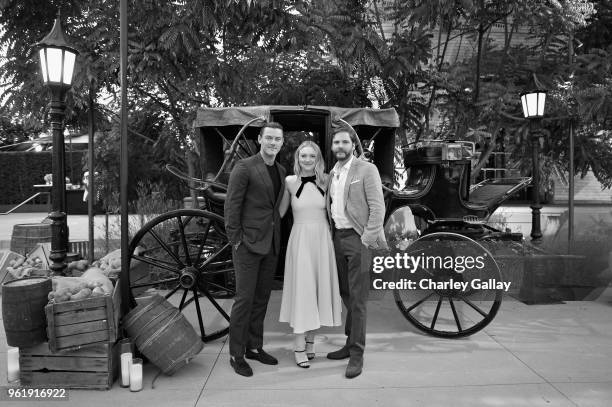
point(85, 321)
point(91, 284)
point(111, 263)
point(77, 268)
point(26, 267)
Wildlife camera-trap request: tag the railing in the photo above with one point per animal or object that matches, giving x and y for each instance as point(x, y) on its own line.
point(497, 167)
point(81, 247)
point(23, 203)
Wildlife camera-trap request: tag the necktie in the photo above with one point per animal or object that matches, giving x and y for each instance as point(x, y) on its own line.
point(306, 180)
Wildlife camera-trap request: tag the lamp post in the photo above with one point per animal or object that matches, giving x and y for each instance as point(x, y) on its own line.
point(57, 60)
point(533, 109)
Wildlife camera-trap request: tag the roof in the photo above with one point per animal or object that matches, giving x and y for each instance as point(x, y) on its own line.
point(240, 115)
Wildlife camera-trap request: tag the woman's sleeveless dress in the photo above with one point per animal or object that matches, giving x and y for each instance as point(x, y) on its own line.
point(311, 297)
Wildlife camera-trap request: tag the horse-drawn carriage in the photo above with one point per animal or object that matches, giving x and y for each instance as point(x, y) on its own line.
point(185, 255)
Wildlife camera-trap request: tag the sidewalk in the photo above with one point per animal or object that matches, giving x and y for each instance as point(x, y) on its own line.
point(537, 355)
point(530, 355)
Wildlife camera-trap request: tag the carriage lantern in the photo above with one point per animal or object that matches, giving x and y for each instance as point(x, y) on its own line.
point(533, 103)
point(533, 108)
point(452, 151)
point(57, 59)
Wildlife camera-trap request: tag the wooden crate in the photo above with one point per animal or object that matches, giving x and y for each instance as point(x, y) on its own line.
point(89, 321)
point(90, 367)
point(5, 257)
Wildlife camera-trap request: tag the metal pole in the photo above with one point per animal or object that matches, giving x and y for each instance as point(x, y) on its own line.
point(536, 232)
point(123, 175)
point(71, 162)
point(570, 220)
point(91, 169)
point(59, 227)
point(570, 225)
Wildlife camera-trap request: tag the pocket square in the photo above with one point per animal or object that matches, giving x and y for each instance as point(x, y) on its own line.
point(356, 181)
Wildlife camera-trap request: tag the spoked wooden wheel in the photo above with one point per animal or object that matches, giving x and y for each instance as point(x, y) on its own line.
point(455, 289)
point(184, 256)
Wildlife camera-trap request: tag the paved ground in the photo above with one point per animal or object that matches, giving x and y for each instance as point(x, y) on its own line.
point(536, 355)
point(77, 224)
point(530, 355)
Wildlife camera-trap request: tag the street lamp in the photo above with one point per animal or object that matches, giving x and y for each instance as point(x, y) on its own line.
point(533, 109)
point(57, 58)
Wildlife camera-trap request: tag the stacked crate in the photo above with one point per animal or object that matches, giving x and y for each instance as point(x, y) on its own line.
point(88, 367)
point(89, 321)
point(82, 350)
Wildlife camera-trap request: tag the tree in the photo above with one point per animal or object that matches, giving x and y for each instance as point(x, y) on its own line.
point(183, 55)
point(478, 97)
point(11, 133)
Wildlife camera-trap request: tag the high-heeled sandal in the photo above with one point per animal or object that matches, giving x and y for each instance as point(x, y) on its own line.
point(301, 359)
point(310, 352)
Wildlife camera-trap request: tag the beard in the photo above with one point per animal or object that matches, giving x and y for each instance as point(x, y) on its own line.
point(341, 154)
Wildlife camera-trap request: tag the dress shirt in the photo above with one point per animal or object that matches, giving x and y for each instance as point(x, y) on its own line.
point(337, 195)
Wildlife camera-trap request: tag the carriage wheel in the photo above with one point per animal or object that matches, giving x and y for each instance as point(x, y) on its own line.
point(184, 256)
point(439, 305)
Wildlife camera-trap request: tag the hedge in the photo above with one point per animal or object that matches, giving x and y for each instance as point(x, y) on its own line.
point(20, 170)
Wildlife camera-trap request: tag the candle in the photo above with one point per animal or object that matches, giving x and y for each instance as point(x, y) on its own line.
point(136, 375)
point(125, 345)
point(12, 364)
point(126, 361)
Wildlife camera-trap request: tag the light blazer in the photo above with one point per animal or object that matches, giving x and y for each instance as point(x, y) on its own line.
point(364, 202)
point(251, 209)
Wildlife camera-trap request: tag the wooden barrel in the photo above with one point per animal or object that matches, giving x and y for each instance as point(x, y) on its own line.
point(23, 310)
point(163, 334)
point(26, 236)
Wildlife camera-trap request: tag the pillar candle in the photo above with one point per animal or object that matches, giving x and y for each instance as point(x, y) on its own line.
point(125, 346)
point(126, 361)
point(136, 375)
point(12, 364)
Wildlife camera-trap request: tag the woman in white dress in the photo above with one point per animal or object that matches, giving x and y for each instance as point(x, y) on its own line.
point(311, 297)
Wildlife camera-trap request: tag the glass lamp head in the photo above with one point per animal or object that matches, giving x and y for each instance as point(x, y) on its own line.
point(533, 103)
point(57, 57)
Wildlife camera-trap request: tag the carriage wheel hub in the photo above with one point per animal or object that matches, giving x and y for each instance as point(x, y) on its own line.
point(188, 277)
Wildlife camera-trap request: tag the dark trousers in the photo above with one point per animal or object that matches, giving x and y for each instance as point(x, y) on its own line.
point(254, 275)
point(353, 260)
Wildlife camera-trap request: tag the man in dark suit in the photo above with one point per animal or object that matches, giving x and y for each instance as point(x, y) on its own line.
point(252, 223)
point(356, 208)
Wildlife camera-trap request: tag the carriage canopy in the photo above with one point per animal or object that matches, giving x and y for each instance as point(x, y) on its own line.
point(240, 115)
point(216, 128)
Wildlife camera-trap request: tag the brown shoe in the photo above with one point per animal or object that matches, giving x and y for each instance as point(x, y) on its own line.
point(342, 353)
point(354, 367)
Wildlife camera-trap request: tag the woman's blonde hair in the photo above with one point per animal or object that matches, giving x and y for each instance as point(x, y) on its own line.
point(318, 168)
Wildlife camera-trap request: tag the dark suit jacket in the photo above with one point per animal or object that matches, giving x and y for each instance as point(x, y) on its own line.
point(251, 209)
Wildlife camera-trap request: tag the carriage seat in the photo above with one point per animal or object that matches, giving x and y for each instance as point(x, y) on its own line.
point(493, 192)
point(215, 195)
point(215, 200)
point(411, 191)
point(423, 155)
point(213, 192)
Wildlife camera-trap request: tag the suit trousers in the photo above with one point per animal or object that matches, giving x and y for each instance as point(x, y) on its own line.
point(254, 275)
point(353, 261)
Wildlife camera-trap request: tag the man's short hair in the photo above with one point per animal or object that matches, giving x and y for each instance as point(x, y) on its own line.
point(350, 131)
point(271, 125)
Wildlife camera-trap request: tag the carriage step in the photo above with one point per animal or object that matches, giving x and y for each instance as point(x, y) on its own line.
point(473, 220)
